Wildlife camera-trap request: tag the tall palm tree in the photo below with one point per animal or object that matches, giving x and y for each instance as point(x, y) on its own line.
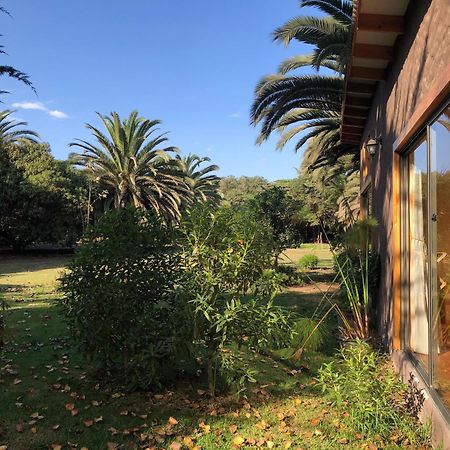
point(10, 71)
point(203, 183)
point(129, 164)
point(9, 131)
point(308, 105)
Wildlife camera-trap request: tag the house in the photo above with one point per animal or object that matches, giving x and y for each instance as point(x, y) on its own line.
point(396, 109)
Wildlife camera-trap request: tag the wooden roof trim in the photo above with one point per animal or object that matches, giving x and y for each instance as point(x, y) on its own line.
point(381, 23)
point(361, 102)
point(372, 51)
point(367, 73)
point(350, 111)
point(360, 88)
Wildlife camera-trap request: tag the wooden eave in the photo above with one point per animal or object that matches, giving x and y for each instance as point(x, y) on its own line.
point(376, 27)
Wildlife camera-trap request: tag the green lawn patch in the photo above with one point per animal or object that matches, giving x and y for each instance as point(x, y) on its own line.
point(50, 398)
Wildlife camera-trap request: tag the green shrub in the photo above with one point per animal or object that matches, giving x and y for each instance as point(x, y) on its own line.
point(119, 298)
point(228, 255)
point(308, 262)
point(292, 276)
point(369, 392)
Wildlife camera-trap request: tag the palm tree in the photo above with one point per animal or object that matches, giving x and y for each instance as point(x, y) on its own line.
point(128, 163)
point(309, 105)
point(202, 182)
point(9, 134)
point(10, 71)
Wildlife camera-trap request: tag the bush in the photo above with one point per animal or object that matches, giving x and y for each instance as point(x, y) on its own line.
point(292, 277)
point(227, 256)
point(120, 301)
point(371, 394)
point(308, 262)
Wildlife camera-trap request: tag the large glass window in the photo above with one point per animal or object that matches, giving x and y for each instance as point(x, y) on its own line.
point(418, 252)
point(426, 242)
point(439, 140)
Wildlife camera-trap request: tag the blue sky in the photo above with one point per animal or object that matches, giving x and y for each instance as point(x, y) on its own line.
point(192, 64)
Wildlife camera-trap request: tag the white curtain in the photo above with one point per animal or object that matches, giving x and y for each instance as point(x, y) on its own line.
point(418, 265)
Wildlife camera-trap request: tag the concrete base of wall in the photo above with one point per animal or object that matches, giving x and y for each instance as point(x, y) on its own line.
point(430, 411)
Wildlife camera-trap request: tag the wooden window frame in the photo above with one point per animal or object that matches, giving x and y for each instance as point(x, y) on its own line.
point(426, 109)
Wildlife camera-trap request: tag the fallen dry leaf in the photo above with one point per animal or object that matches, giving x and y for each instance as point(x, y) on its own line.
point(270, 444)
point(88, 423)
point(343, 441)
point(238, 440)
point(17, 381)
point(69, 406)
point(175, 446)
point(56, 447)
point(74, 412)
point(172, 420)
point(19, 428)
point(34, 430)
point(112, 446)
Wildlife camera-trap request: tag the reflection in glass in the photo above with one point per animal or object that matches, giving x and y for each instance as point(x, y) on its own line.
point(418, 254)
point(440, 228)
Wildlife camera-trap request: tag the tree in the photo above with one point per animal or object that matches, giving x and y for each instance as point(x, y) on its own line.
point(128, 163)
point(203, 183)
point(237, 191)
point(309, 105)
point(279, 209)
point(10, 71)
point(41, 199)
point(9, 134)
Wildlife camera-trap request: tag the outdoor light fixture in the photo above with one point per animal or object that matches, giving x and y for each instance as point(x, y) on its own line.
point(373, 145)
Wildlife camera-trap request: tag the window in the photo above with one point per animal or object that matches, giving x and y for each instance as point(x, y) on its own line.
point(426, 245)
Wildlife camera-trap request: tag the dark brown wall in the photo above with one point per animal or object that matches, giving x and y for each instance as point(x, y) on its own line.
point(420, 56)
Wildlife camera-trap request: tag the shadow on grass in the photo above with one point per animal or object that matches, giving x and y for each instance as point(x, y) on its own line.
point(18, 264)
point(53, 374)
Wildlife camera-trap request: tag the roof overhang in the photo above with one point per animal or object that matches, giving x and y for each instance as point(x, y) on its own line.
point(376, 26)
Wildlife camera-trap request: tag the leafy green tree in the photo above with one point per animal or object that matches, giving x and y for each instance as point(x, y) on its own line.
point(279, 209)
point(41, 199)
point(129, 165)
point(203, 183)
point(237, 191)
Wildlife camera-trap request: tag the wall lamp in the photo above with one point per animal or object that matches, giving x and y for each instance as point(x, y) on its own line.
point(373, 146)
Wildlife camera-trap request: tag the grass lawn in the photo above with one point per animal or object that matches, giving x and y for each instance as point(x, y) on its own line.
point(322, 251)
point(49, 400)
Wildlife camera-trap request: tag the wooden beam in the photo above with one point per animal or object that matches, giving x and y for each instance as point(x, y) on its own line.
point(350, 138)
point(356, 122)
point(368, 73)
point(354, 112)
point(360, 88)
point(352, 129)
point(381, 23)
point(362, 102)
point(371, 51)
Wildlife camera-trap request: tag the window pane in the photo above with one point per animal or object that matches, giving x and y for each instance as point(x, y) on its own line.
point(418, 253)
point(440, 153)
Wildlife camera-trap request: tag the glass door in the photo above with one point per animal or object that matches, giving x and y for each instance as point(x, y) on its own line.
point(439, 145)
point(418, 245)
